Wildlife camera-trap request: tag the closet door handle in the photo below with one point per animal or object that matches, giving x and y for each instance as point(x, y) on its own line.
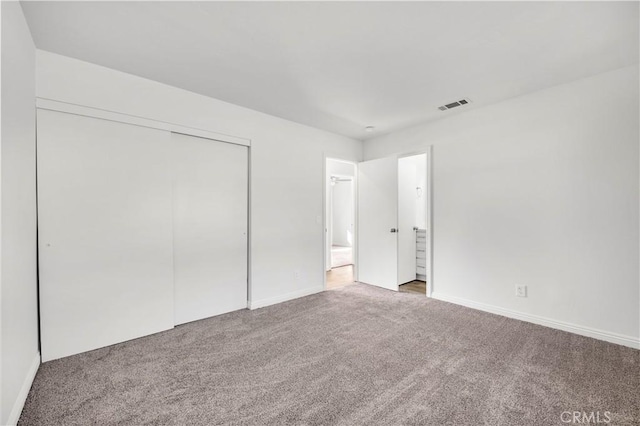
point(393, 230)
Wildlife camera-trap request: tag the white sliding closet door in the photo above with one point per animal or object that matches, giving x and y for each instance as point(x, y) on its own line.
point(105, 232)
point(210, 227)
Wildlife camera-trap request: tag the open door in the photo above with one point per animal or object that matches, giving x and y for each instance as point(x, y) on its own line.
point(378, 222)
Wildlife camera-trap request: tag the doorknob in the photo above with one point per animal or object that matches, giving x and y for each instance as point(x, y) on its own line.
point(394, 230)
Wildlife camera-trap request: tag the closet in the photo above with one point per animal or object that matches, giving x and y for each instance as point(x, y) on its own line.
point(412, 234)
point(139, 229)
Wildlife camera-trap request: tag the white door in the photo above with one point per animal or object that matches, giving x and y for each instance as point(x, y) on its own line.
point(210, 227)
point(407, 219)
point(377, 222)
point(105, 232)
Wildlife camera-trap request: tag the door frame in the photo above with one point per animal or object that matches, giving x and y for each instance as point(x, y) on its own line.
point(428, 210)
point(325, 219)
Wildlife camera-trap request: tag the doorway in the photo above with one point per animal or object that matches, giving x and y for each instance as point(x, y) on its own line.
point(412, 224)
point(394, 223)
point(340, 239)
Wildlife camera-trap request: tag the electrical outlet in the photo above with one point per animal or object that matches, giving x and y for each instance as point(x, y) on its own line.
point(296, 274)
point(521, 290)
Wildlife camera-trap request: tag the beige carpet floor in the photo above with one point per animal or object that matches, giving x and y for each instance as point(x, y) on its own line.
point(358, 355)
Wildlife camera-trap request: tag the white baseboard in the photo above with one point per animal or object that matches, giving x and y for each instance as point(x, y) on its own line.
point(14, 416)
point(607, 336)
point(255, 304)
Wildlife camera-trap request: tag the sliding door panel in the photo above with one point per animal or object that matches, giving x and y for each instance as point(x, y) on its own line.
point(210, 227)
point(105, 232)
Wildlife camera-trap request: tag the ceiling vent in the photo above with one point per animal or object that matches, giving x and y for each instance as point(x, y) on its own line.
point(455, 104)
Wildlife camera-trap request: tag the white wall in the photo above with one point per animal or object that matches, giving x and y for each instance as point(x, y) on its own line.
point(540, 190)
point(19, 319)
point(286, 164)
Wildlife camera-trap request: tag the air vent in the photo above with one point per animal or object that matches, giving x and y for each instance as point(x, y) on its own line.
point(454, 104)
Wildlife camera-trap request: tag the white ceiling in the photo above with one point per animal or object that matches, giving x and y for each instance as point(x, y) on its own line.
point(343, 66)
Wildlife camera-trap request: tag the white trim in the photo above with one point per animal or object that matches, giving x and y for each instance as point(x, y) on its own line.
point(325, 222)
point(285, 297)
point(53, 105)
point(429, 212)
point(249, 232)
point(24, 391)
point(620, 339)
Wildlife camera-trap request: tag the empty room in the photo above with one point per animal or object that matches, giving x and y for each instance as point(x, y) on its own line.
point(320, 213)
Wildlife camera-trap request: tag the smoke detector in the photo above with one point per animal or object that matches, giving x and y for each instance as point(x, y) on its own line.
point(455, 104)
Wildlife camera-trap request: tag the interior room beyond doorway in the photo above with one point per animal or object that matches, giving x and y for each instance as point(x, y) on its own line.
point(412, 224)
point(340, 235)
